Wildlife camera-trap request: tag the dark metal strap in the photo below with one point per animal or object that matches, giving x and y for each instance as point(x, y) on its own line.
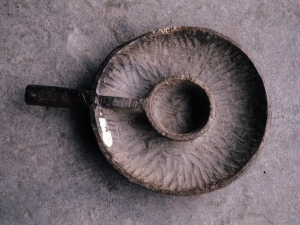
point(108, 101)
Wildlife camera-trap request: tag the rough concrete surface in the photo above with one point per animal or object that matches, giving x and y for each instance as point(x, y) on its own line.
point(51, 169)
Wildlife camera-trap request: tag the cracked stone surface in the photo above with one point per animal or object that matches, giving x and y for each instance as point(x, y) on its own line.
point(51, 168)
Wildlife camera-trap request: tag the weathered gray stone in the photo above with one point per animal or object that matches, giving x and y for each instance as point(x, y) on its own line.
point(51, 169)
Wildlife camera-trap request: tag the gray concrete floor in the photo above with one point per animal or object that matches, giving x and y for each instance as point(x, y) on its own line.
point(51, 169)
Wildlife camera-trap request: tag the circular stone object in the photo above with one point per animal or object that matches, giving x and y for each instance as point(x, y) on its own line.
point(212, 160)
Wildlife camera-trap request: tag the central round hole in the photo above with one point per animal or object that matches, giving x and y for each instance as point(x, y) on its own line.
point(181, 106)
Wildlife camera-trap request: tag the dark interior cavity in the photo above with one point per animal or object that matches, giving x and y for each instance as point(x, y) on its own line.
point(181, 106)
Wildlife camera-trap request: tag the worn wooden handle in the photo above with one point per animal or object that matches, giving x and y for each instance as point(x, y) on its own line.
point(58, 96)
point(73, 98)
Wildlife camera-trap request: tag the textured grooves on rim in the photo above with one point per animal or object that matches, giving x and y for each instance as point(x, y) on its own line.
point(210, 162)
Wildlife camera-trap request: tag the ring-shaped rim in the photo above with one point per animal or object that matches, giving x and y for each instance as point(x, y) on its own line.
point(195, 191)
point(149, 109)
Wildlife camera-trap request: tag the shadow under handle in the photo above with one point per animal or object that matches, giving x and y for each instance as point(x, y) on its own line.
point(75, 98)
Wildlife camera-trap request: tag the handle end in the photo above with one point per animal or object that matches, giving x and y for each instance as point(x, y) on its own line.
point(31, 95)
point(58, 97)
